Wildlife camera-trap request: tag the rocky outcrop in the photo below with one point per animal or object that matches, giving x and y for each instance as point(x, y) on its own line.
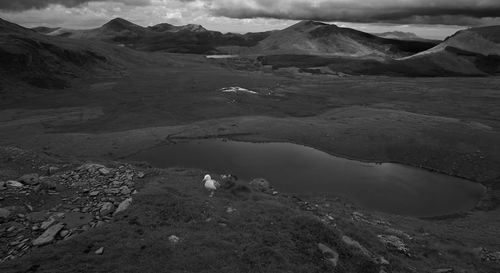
point(95, 191)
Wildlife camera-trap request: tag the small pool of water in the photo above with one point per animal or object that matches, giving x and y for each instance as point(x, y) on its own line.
point(292, 168)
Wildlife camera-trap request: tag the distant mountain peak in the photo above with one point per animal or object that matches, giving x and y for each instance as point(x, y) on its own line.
point(307, 25)
point(310, 23)
point(399, 35)
point(194, 28)
point(6, 26)
point(120, 24)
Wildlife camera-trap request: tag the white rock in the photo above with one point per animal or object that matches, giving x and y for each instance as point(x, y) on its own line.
point(173, 239)
point(14, 184)
point(104, 171)
point(99, 251)
point(123, 205)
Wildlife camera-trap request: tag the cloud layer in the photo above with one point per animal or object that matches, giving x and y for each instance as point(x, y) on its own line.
point(391, 11)
point(448, 12)
point(22, 5)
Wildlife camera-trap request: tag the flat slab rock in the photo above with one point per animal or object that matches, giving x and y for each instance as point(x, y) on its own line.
point(49, 235)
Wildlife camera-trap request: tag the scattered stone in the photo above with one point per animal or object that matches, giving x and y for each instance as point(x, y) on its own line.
point(112, 191)
point(173, 239)
point(99, 251)
point(94, 193)
point(330, 255)
point(104, 171)
point(64, 233)
point(30, 179)
point(123, 205)
point(14, 184)
point(49, 235)
point(230, 210)
point(52, 170)
point(125, 190)
point(3, 185)
point(260, 184)
point(52, 220)
point(395, 242)
point(486, 255)
point(106, 208)
point(4, 213)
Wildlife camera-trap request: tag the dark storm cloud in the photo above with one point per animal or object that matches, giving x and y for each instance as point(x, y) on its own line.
point(393, 11)
point(21, 5)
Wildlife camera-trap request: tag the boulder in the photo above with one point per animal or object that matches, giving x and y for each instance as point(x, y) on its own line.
point(3, 185)
point(123, 205)
point(49, 235)
point(29, 179)
point(14, 184)
point(260, 184)
point(106, 208)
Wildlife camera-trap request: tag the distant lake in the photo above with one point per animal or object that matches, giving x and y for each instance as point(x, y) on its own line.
point(292, 168)
point(221, 56)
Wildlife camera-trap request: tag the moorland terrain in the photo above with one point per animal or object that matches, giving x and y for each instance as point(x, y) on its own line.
point(69, 98)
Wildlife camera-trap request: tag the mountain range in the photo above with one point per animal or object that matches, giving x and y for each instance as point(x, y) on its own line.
point(51, 57)
point(162, 37)
point(306, 37)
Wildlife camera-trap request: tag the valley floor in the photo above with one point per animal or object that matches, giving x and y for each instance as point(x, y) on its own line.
point(449, 125)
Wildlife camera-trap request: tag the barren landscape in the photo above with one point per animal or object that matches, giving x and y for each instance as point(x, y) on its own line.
point(74, 112)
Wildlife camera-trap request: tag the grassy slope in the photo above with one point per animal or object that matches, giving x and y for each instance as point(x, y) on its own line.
point(262, 233)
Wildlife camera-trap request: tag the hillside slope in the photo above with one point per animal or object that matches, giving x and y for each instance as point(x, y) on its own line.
point(315, 38)
point(474, 51)
point(51, 62)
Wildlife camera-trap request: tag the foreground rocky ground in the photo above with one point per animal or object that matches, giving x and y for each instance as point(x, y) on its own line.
point(72, 216)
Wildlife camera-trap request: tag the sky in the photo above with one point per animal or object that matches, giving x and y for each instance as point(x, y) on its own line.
point(434, 19)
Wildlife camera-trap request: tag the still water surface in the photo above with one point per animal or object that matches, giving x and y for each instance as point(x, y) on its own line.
point(292, 168)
